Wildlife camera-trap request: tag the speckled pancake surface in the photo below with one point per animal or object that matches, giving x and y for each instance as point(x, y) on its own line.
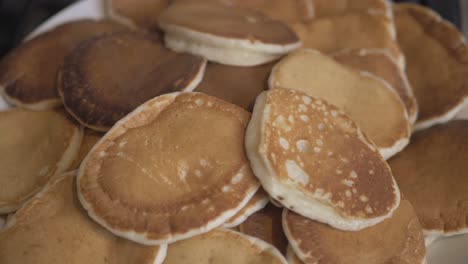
point(255, 204)
point(313, 159)
point(432, 173)
point(369, 100)
point(28, 73)
point(35, 146)
point(188, 147)
point(141, 13)
point(382, 65)
point(437, 63)
point(53, 228)
point(398, 239)
point(223, 246)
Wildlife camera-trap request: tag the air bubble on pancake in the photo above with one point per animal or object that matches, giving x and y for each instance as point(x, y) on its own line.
point(44, 171)
point(303, 145)
point(302, 108)
point(204, 163)
point(317, 149)
point(226, 188)
point(339, 172)
point(284, 143)
point(369, 209)
point(353, 174)
point(296, 173)
point(198, 173)
point(251, 19)
point(122, 144)
point(330, 153)
point(205, 201)
point(354, 190)
point(334, 113)
point(236, 179)
point(363, 198)
point(319, 142)
point(280, 122)
point(102, 154)
point(348, 193)
point(291, 119)
point(371, 172)
point(199, 101)
point(340, 204)
point(344, 160)
point(306, 99)
point(321, 126)
point(347, 182)
point(304, 118)
point(182, 169)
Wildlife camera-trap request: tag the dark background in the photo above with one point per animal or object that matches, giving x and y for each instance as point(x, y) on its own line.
point(19, 17)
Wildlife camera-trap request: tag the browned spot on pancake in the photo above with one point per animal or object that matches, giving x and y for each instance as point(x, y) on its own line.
point(142, 13)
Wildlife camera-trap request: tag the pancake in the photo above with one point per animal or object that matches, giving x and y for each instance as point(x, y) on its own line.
point(228, 35)
point(369, 100)
point(175, 144)
point(28, 73)
point(141, 13)
point(34, 147)
point(431, 172)
point(257, 203)
point(223, 246)
point(266, 225)
point(314, 160)
point(398, 239)
point(98, 90)
point(53, 228)
point(292, 257)
point(437, 63)
point(90, 138)
point(237, 85)
point(382, 65)
point(324, 8)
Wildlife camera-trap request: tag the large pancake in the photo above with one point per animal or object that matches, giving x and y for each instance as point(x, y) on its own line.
point(266, 225)
point(141, 13)
point(257, 203)
point(379, 63)
point(398, 239)
point(173, 168)
point(28, 73)
point(53, 228)
point(437, 63)
point(432, 173)
point(313, 159)
point(324, 8)
point(34, 147)
point(223, 246)
point(90, 138)
point(237, 85)
point(369, 100)
point(98, 89)
point(226, 34)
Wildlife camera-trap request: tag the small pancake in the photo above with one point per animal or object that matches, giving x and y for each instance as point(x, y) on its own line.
point(237, 85)
point(314, 160)
point(175, 144)
point(34, 147)
point(324, 8)
point(431, 172)
point(382, 65)
point(141, 13)
point(223, 246)
point(98, 90)
point(398, 239)
point(28, 73)
point(369, 100)
point(53, 228)
point(257, 203)
point(228, 35)
point(90, 138)
point(437, 63)
point(266, 225)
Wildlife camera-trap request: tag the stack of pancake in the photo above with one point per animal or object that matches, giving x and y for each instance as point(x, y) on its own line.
point(235, 131)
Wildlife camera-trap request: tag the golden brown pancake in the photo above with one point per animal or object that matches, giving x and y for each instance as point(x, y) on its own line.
point(28, 73)
point(98, 89)
point(369, 100)
point(34, 147)
point(266, 225)
point(324, 8)
point(186, 146)
point(431, 172)
point(257, 203)
point(53, 228)
point(141, 13)
point(90, 138)
point(237, 85)
point(223, 246)
point(398, 239)
point(437, 63)
point(382, 65)
point(313, 159)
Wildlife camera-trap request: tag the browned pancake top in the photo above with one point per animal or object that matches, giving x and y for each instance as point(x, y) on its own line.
point(398, 239)
point(54, 228)
point(28, 72)
point(228, 22)
point(436, 57)
point(188, 147)
point(324, 8)
point(143, 13)
point(108, 76)
point(432, 173)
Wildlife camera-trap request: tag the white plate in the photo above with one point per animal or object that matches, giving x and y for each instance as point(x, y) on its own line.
point(445, 251)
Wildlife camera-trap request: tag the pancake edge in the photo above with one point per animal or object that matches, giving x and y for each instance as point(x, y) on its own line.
point(231, 223)
point(34, 106)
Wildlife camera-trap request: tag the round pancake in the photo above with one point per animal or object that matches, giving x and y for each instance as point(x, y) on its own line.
point(98, 90)
point(90, 138)
point(175, 144)
point(431, 172)
point(228, 35)
point(369, 100)
point(324, 8)
point(34, 147)
point(53, 228)
point(257, 203)
point(437, 63)
point(28, 73)
point(237, 85)
point(223, 246)
point(266, 225)
point(398, 239)
point(141, 13)
point(314, 160)
point(380, 64)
